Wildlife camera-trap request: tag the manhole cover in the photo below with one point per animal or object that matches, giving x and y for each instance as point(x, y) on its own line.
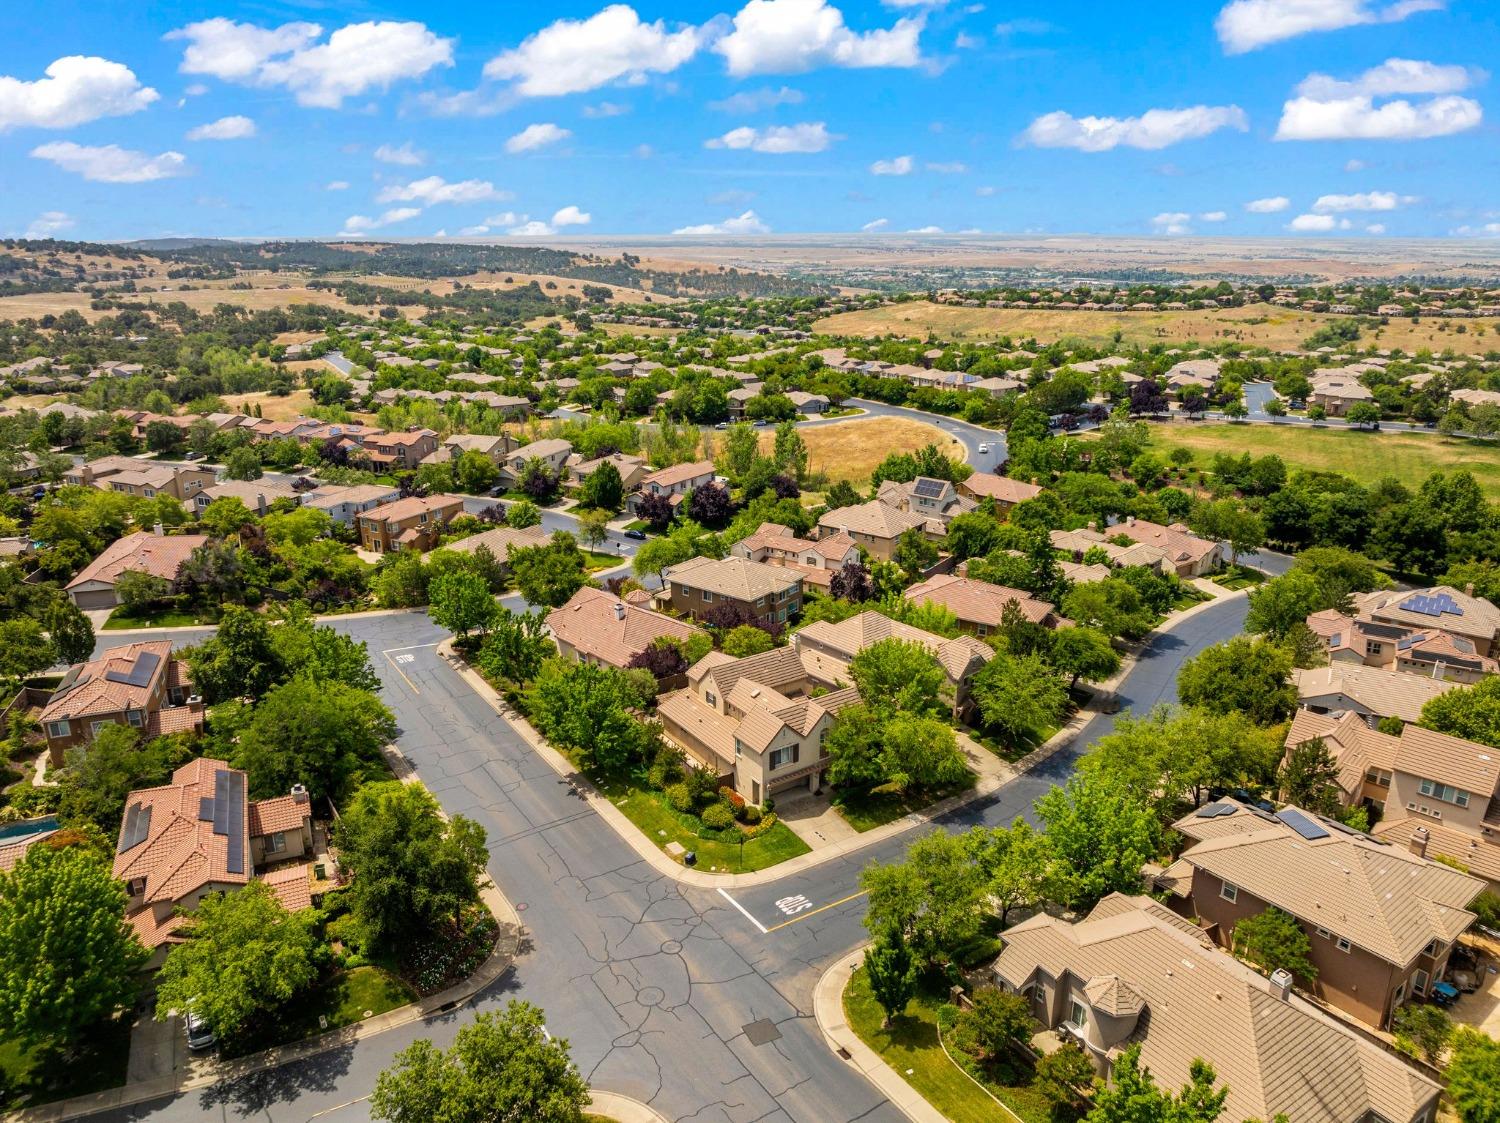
point(652, 996)
point(521, 906)
point(762, 1032)
point(671, 947)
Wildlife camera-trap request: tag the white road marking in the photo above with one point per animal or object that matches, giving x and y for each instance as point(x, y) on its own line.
point(742, 910)
point(793, 905)
point(412, 647)
point(406, 658)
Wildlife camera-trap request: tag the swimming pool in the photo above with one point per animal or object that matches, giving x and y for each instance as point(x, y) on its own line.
point(14, 832)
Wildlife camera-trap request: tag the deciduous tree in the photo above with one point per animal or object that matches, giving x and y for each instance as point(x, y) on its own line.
point(1275, 941)
point(323, 735)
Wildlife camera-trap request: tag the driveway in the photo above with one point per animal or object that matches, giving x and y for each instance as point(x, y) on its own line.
point(156, 1048)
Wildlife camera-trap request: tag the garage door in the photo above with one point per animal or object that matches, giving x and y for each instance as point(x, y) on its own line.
point(94, 598)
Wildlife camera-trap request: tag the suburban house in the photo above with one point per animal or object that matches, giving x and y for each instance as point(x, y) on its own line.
point(400, 450)
point(937, 500)
point(1077, 543)
point(413, 523)
point(1441, 608)
point(200, 834)
point(142, 685)
point(152, 552)
point(632, 470)
point(596, 626)
point(979, 605)
point(1430, 652)
point(1381, 919)
point(808, 403)
point(877, 526)
point(1189, 555)
point(832, 647)
point(256, 495)
point(145, 479)
point(494, 447)
point(1005, 491)
point(1437, 794)
point(553, 452)
point(675, 482)
point(1371, 692)
point(1134, 973)
point(755, 721)
point(768, 595)
point(500, 540)
point(817, 561)
point(1336, 391)
point(344, 504)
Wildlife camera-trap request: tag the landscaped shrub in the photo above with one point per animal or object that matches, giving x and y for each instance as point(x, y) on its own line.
point(666, 769)
point(751, 814)
point(732, 796)
point(718, 816)
point(703, 783)
point(681, 797)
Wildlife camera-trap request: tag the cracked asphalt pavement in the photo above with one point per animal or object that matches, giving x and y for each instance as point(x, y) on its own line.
point(652, 983)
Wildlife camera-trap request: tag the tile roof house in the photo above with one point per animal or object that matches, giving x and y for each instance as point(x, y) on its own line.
point(1080, 542)
point(346, 503)
point(142, 478)
point(979, 605)
point(553, 452)
point(1429, 652)
point(160, 555)
point(201, 834)
point(1441, 607)
point(676, 481)
point(938, 500)
point(413, 523)
point(1005, 491)
point(817, 560)
point(1133, 973)
point(1336, 391)
point(1189, 555)
point(142, 685)
point(767, 594)
point(501, 540)
point(754, 721)
point(256, 495)
point(877, 526)
point(1371, 692)
point(595, 626)
point(1381, 920)
point(632, 470)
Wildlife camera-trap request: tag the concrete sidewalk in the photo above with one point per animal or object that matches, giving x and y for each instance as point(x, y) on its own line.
point(623, 1109)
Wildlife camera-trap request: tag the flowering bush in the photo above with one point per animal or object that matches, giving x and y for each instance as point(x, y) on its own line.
point(453, 952)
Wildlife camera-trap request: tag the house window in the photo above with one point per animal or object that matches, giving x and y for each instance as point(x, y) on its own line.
point(135, 717)
point(1398, 995)
point(780, 758)
point(1445, 792)
point(1343, 944)
point(1379, 777)
point(59, 728)
point(1230, 893)
point(276, 843)
point(1419, 982)
point(1078, 1015)
point(95, 726)
point(707, 596)
point(710, 697)
point(1323, 932)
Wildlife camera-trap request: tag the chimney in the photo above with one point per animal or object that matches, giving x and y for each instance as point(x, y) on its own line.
point(299, 793)
point(1281, 983)
point(159, 530)
point(619, 610)
point(1418, 843)
point(1469, 589)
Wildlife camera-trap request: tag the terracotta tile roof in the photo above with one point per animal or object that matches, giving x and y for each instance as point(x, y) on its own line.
point(875, 519)
point(848, 638)
point(160, 555)
point(978, 602)
point(601, 625)
point(1355, 747)
point(1176, 541)
point(412, 506)
point(1381, 692)
point(736, 578)
point(501, 540)
point(678, 474)
point(13, 852)
point(292, 885)
point(1382, 898)
point(95, 687)
point(1002, 489)
point(702, 724)
point(1452, 760)
point(1275, 1055)
point(284, 813)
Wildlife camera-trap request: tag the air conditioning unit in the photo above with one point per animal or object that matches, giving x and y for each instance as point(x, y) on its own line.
point(195, 699)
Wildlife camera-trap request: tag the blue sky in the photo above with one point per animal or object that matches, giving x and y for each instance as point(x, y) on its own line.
point(389, 118)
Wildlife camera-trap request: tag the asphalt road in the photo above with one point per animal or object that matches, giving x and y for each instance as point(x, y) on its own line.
point(652, 984)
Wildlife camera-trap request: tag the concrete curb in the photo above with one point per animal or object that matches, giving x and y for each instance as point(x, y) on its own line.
point(204, 1075)
point(623, 1109)
point(328, 619)
point(828, 1008)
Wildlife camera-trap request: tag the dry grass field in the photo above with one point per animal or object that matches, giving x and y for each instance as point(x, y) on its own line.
point(1366, 456)
point(851, 449)
point(35, 305)
point(272, 408)
point(1255, 325)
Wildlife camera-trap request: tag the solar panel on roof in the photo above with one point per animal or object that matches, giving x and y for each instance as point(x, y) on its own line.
point(221, 802)
point(1215, 810)
point(140, 671)
point(927, 489)
point(235, 861)
point(206, 808)
point(1306, 827)
point(137, 826)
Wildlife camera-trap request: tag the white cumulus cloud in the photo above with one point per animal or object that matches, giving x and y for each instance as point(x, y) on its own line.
point(1393, 76)
point(49, 224)
point(1172, 222)
point(571, 56)
point(1213, 216)
point(537, 136)
point(790, 36)
point(1317, 223)
point(571, 216)
point(336, 185)
point(405, 155)
point(434, 190)
point(225, 128)
point(901, 165)
point(533, 229)
point(1244, 25)
point(1362, 201)
point(753, 101)
point(1359, 118)
point(110, 163)
point(779, 139)
point(876, 224)
point(1375, 228)
point(926, 230)
point(1269, 205)
point(747, 223)
point(1156, 128)
point(357, 224)
point(77, 89)
point(353, 60)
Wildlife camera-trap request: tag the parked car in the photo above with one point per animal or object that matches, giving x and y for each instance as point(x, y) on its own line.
point(193, 456)
point(984, 448)
point(722, 425)
point(200, 1034)
point(638, 535)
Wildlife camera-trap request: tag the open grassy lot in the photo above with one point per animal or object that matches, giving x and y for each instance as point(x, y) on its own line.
point(1367, 456)
point(273, 408)
point(1254, 325)
point(851, 449)
point(33, 305)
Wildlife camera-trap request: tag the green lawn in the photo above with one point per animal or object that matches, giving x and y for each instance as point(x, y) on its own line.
point(342, 1000)
point(866, 812)
point(911, 1047)
point(40, 1075)
point(122, 618)
point(1238, 577)
point(596, 560)
point(1366, 456)
point(649, 811)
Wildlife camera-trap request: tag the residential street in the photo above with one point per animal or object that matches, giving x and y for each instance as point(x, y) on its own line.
point(653, 984)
